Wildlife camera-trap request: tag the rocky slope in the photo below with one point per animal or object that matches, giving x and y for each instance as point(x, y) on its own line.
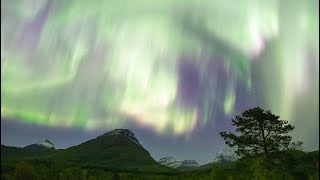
point(172, 162)
point(223, 156)
point(42, 145)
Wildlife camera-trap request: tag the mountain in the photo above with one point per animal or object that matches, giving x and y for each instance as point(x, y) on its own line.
point(12, 154)
point(42, 145)
point(189, 163)
point(118, 149)
point(172, 162)
point(223, 156)
point(125, 132)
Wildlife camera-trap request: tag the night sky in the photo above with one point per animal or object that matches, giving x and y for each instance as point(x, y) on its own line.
point(175, 72)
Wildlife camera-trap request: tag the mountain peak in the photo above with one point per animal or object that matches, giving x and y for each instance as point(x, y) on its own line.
point(167, 158)
point(225, 155)
point(46, 143)
point(170, 161)
point(121, 131)
point(126, 132)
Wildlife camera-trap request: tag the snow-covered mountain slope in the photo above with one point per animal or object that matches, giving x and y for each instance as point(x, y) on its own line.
point(189, 163)
point(170, 162)
point(226, 155)
point(125, 132)
point(42, 145)
point(46, 143)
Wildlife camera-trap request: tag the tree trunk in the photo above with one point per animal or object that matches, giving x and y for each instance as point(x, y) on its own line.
point(264, 139)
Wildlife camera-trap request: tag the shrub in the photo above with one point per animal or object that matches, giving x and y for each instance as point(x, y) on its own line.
point(24, 171)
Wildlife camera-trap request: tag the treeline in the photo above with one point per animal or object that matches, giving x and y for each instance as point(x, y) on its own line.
point(292, 164)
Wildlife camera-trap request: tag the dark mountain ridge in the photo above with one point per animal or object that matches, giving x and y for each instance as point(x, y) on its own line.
point(118, 149)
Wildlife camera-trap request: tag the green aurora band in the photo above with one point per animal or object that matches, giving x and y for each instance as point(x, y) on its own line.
point(104, 64)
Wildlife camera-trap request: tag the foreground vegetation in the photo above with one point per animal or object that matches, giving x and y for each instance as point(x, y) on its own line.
point(292, 164)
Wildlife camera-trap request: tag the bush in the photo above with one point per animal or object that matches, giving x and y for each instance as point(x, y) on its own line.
point(24, 171)
point(218, 173)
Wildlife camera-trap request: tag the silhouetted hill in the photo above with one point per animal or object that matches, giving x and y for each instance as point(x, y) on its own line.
point(9, 153)
point(45, 144)
point(117, 149)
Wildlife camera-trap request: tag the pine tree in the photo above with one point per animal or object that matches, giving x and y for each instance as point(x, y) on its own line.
point(260, 132)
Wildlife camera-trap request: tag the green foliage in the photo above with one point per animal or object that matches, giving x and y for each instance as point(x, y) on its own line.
point(314, 176)
point(260, 169)
point(218, 173)
point(260, 132)
point(24, 171)
point(284, 165)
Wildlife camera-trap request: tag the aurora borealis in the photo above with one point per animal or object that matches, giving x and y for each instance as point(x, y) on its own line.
point(168, 65)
